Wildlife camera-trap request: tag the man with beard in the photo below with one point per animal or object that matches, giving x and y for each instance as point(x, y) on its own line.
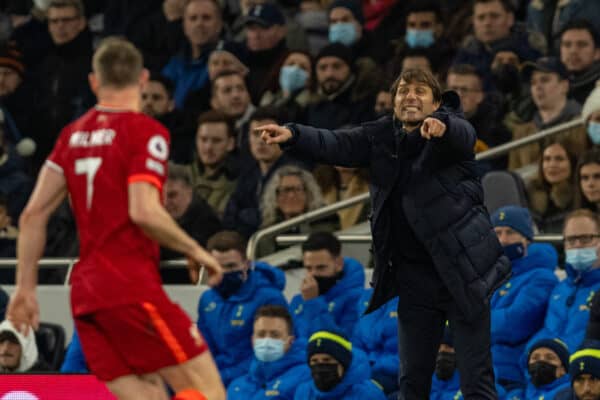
point(342, 103)
point(433, 243)
point(584, 369)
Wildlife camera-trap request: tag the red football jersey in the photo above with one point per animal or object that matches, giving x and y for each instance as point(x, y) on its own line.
point(100, 154)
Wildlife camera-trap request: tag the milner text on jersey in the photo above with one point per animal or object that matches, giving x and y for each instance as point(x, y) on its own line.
point(100, 137)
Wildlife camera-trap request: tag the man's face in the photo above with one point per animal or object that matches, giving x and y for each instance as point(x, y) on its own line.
point(231, 261)
point(507, 236)
point(579, 233)
point(220, 61)
point(383, 101)
point(9, 81)
point(413, 102)
point(416, 62)
point(10, 354)
point(260, 150)
point(178, 197)
point(547, 355)
point(548, 89)
point(323, 358)
point(213, 143)
point(589, 179)
point(556, 166)
point(322, 263)
point(586, 387)
point(273, 328)
point(339, 15)
point(291, 196)
point(332, 73)
point(64, 24)
point(261, 38)
point(491, 22)
point(577, 50)
point(230, 95)
point(424, 21)
point(469, 90)
point(155, 99)
point(201, 22)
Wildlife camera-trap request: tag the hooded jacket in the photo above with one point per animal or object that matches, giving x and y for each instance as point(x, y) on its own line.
point(276, 380)
point(227, 324)
point(532, 392)
point(355, 384)
point(518, 308)
point(29, 350)
point(336, 309)
point(569, 308)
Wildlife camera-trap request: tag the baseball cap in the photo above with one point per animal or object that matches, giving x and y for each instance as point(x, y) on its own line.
point(265, 15)
point(544, 64)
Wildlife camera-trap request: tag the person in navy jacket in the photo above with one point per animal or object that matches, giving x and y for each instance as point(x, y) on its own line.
point(226, 312)
point(519, 306)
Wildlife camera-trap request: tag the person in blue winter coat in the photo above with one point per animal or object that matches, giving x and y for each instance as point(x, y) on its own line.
point(547, 371)
point(279, 363)
point(331, 289)
point(584, 369)
point(74, 362)
point(226, 312)
point(519, 306)
point(569, 305)
point(376, 334)
point(339, 371)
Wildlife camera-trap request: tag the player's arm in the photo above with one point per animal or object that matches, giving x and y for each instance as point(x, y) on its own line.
point(147, 212)
point(49, 192)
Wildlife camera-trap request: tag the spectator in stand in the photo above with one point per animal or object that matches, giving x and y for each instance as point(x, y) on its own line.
point(32, 37)
point(383, 101)
point(482, 110)
point(189, 210)
point(344, 102)
point(584, 370)
point(568, 309)
point(587, 181)
point(266, 44)
point(551, 194)
point(214, 170)
point(547, 371)
point(242, 212)
point(549, 87)
point(63, 74)
point(157, 101)
point(519, 305)
point(290, 192)
point(580, 53)
point(74, 362)
point(226, 312)
point(591, 115)
point(279, 362)
point(18, 352)
point(202, 26)
point(494, 25)
point(331, 289)
point(338, 370)
point(8, 232)
point(376, 334)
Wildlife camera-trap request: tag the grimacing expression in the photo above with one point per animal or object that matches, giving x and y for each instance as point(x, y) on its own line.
point(414, 102)
point(213, 143)
point(64, 24)
point(332, 73)
point(155, 99)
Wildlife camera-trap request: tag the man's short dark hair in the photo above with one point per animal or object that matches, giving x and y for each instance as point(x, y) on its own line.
point(465, 69)
point(582, 24)
point(227, 240)
point(424, 6)
point(414, 75)
point(214, 117)
point(506, 4)
point(228, 72)
point(322, 241)
point(76, 4)
point(269, 112)
point(178, 172)
point(276, 311)
point(166, 83)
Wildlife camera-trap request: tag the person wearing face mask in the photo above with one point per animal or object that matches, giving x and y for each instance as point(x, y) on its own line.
point(279, 362)
point(226, 312)
point(584, 369)
point(339, 371)
point(591, 115)
point(518, 306)
point(546, 371)
point(568, 309)
point(331, 288)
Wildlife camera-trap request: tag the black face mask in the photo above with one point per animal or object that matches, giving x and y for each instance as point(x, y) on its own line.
point(506, 78)
point(230, 284)
point(542, 373)
point(445, 365)
point(326, 376)
point(327, 282)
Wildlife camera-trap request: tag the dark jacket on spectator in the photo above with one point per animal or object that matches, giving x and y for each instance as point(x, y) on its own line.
point(183, 135)
point(14, 182)
point(582, 83)
point(34, 40)
point(444, 208)
point(264, 70)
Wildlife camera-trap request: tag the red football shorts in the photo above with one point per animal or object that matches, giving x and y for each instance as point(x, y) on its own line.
point(137, 338)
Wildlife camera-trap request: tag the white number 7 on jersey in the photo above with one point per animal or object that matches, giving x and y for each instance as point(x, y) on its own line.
point(88, 166)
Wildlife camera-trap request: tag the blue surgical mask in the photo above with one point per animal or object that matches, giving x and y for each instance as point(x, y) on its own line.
point(593, 131)
point(581, 260)
point(268, 349)
point(514, 251)
point(231, 283)
point(419, 38)
point(343, 32)
point(292, 78)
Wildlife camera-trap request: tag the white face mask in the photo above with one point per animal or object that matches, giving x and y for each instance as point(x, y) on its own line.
point(42, 4)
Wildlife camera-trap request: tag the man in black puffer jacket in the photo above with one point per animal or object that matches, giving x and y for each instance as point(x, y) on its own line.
point(433, 242)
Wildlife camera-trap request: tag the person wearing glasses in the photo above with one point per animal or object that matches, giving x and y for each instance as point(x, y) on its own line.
point(569, 305)
point(290, 192)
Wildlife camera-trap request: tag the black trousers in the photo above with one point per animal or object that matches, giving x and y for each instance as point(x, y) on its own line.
point(423, 308)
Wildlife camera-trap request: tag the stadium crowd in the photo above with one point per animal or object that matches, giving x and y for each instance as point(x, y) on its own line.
point(221, 68)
